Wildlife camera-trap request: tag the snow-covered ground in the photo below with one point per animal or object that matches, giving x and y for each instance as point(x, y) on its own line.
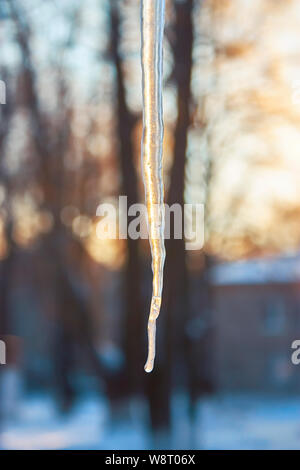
point(223, 422)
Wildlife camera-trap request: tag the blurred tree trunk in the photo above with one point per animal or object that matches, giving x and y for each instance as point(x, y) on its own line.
point(6, 281)
point(7, 263)
point(133, 306)
point(175, 301)
point(72, 315)
point(7, 399)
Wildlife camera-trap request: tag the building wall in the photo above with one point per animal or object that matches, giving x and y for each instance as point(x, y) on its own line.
point(255, 326)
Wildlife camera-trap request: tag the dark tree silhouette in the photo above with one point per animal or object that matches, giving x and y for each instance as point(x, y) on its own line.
point(134, 343)
point(175, 302)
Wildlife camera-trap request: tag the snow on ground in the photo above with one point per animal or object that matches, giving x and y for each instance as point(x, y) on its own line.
point(248, 422)
point(38, 425)
point(223, 422)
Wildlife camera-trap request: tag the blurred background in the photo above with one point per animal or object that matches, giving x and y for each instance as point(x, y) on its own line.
point(73, 307)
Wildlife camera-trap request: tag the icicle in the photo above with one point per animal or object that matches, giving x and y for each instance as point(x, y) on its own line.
point(153, 12)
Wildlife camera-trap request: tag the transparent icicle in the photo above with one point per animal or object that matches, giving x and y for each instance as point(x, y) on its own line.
point(153, 14)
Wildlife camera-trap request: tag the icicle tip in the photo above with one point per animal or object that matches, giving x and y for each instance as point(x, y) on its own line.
point(154, 313)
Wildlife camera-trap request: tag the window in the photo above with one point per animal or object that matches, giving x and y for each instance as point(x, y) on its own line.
point(274, 318)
